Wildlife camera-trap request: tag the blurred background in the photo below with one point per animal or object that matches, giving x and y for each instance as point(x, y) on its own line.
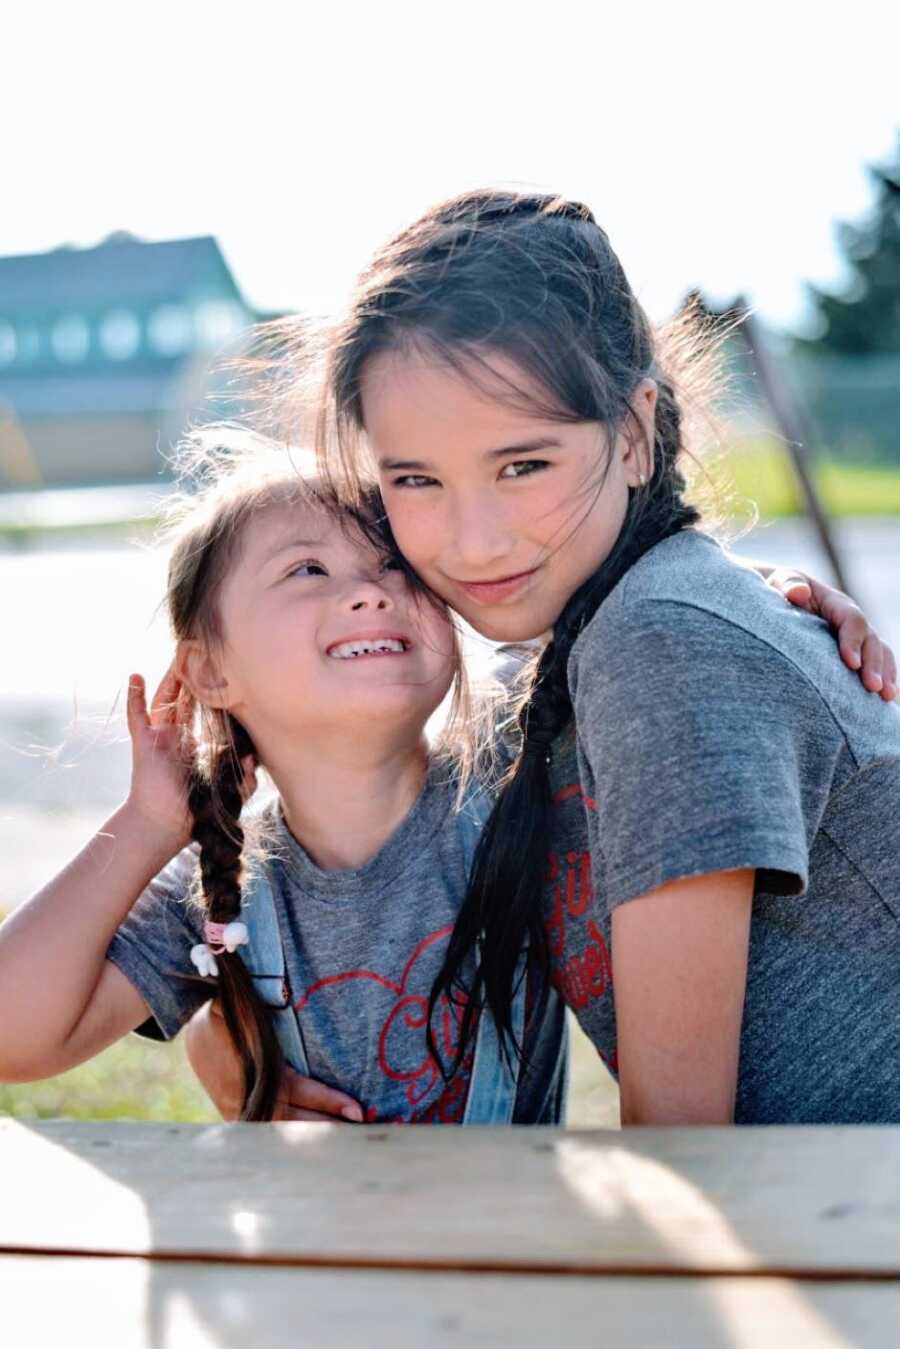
point(172, 176)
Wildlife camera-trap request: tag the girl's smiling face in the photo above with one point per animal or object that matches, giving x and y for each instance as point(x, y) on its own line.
point(321, 631)
point(502, 512)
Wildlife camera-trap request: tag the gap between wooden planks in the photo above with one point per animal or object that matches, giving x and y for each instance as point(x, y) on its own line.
point(818, 1204)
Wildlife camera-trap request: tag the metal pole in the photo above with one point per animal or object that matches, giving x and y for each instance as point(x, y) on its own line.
point(797, 433)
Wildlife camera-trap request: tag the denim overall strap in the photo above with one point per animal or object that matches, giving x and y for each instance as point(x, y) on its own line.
point(492, 1088)
point(264, 957)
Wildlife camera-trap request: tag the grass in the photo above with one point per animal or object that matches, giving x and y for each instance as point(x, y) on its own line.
point(113, 533)
point(134, 1079)
point(761, 472)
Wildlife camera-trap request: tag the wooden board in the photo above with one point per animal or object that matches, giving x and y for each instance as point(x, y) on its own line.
point(144, 1304)
point(776, 1200)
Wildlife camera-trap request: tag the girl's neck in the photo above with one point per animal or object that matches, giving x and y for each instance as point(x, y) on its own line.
point(343, 806)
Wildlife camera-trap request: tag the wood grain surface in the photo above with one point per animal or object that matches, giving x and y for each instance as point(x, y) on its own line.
point(823, 1202)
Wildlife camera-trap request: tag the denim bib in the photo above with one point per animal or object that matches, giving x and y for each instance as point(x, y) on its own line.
point(492, 1087)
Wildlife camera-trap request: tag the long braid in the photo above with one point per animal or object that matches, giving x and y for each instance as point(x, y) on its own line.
point(504, 901)
point(215, 802)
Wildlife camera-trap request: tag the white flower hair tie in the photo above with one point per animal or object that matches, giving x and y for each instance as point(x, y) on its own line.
point(219, 937)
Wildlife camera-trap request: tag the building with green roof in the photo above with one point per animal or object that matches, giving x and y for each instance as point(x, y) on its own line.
point(106, 352)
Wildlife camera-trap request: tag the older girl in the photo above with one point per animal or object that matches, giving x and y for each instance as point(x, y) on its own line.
point(718, 798)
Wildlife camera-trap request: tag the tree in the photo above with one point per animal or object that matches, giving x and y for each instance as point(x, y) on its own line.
point(866, 318)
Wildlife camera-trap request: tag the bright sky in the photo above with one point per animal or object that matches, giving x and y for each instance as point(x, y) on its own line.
point(717, 144)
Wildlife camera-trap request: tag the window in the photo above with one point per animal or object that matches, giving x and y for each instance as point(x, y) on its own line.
point(7, 343)
point(217, 320)
point(120, 335)
point(29, 343)
point(70, 339)
point(170, 330)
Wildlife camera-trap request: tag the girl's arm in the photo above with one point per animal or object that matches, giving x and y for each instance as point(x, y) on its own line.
point(710, 755)
point(679, 977)
point(213, 1058)
point(58, 1005)
point(60, 1000)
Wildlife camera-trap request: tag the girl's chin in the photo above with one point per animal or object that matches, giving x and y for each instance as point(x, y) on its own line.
point(371, 691)
point(507, 627)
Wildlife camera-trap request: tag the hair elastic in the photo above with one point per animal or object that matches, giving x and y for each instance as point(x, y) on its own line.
point(220, 937)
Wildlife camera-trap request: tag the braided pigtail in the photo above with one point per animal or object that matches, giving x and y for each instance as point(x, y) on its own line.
point(215, 802)
point(504, 902)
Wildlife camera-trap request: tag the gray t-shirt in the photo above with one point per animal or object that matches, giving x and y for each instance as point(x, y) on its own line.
point(362, 948)
point(717, 729)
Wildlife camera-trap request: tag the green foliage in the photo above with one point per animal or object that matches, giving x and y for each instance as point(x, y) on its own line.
point(866, 319)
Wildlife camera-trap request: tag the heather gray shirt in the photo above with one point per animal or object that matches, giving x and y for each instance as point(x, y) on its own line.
point(716, 729)
point(362, 948)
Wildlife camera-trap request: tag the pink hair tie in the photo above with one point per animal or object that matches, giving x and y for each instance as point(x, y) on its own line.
point(220, 937)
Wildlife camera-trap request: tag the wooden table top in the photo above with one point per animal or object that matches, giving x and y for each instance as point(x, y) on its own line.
point(423, 1235)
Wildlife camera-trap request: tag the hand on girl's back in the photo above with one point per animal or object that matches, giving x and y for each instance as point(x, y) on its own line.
point(162, 751)
point(860, 646)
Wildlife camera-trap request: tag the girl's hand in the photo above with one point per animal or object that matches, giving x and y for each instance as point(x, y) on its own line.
point(212, 1056)
point(860, 646)
point(162, 752)
point(303, 1098)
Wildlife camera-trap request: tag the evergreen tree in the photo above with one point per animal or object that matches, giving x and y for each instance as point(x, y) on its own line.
point(866, 318)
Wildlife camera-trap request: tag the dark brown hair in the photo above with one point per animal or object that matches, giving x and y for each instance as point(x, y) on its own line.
point(532, 278)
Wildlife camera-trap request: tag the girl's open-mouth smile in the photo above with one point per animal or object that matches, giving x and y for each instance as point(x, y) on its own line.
point(369, 646)
point(494, 592)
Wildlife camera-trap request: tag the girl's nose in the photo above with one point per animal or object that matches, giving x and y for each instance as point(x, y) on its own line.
point(380, 603)
point(480, 538)
point(367, 594)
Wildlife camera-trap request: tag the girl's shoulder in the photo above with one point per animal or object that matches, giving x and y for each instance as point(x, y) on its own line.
point(690, 616)
point(690, 582)
point(693, 569)
point(684, 586)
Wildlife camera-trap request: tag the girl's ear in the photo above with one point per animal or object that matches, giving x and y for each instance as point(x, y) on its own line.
point(199, 673)
point(638, 451)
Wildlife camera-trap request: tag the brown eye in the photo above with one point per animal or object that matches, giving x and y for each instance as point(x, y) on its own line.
point(414, 480)
point(523, 468)
point(308, 568)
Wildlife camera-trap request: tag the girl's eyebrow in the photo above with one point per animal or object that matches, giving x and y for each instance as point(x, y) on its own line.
point(288, 546)
point(526, 447)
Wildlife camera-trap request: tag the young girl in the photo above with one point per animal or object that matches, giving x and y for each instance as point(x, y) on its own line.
point(718, 799)
point(307, 650)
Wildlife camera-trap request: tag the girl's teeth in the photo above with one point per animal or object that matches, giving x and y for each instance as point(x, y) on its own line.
point(347, 650)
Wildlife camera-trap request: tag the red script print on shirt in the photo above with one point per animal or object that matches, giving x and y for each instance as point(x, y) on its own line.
point(409, 1011)
point(588, 974)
